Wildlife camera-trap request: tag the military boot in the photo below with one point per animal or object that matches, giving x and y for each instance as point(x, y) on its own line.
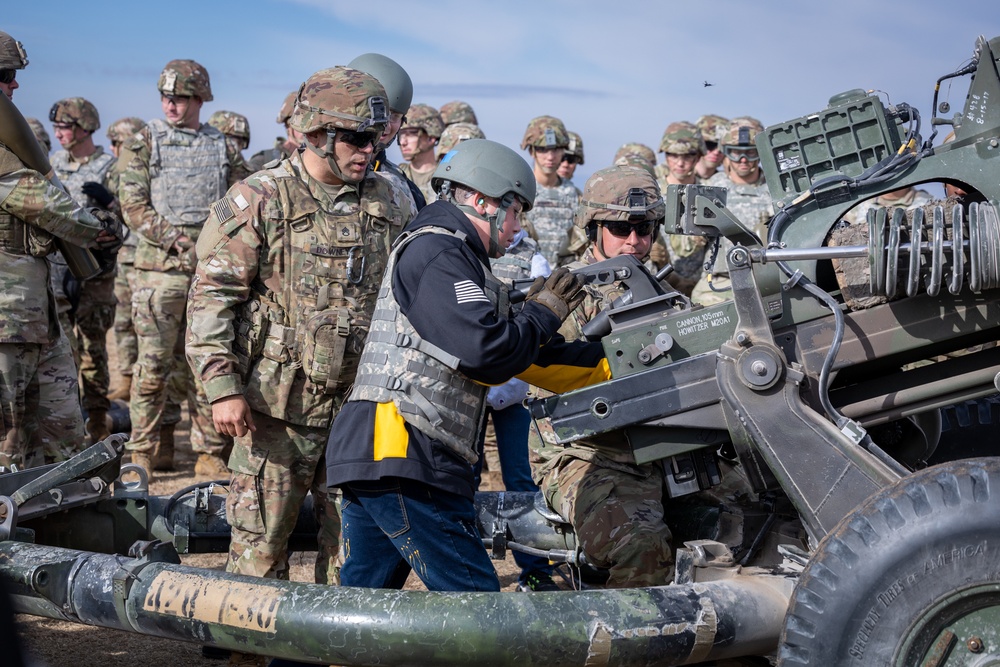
point(97, 425)
point(164, 457)
point(123, 391)
point(144, 460)
point(211, 466)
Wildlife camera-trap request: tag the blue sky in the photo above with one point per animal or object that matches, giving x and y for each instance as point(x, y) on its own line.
point(613, 71)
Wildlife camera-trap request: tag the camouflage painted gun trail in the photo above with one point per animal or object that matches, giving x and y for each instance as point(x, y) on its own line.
point(351, 626)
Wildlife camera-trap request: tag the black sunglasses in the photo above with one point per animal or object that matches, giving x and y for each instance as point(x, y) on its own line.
point(623, 229)
point(359, 140)
point(7, 75)
point(571, 159)
point(711, 145)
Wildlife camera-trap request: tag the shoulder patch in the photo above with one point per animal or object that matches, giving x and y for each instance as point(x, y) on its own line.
point(223, 211)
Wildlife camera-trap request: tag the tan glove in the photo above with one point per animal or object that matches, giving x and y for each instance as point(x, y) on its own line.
point(561, 292)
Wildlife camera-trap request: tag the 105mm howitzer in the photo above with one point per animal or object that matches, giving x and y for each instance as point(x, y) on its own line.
point(796, 422)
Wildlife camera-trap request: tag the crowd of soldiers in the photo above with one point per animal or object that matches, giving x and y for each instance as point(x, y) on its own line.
point(269, 293)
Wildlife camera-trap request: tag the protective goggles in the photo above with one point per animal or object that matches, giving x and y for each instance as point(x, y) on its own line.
point(623, 229)
point(7, 75)
point(737, 154)
point(359, 140)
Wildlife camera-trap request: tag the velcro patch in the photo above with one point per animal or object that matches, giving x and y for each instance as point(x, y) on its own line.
point(241, 201)
point(223, 211)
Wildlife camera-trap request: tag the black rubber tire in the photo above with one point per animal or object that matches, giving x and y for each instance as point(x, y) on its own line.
point(891, 576)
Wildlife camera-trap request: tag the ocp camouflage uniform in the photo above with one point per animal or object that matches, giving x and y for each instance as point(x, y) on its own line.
point(126, 343)
point(552, 218)
point(32, 210)
point(913, 198)
point(169, 180)
point(614, 504)
point(296, 266)
point(94, 312)
point(752, 205)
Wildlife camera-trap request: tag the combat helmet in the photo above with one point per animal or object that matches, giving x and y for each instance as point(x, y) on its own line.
point(712, 127)
point(682, 138)
point(642, 150)
point(285, 112)
point(741, 134)
point(392, 76)
point(619, 193)
point(574, 148)
point(39, 131)
point(12, 53)
point(231, 124)
point(492, 169)
point(426, 118)
point(187, 78)
point(124, 129)
point(75, 111)
point(458, 112)
point(455, 134)
point(545, 132)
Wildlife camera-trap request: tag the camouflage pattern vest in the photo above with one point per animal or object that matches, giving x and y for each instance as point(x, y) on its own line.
point(421, 379)
point(516, 262)
point(74, 174)
point(552, 216)
point(16, 236)
point(188, 170)
point(333, 257)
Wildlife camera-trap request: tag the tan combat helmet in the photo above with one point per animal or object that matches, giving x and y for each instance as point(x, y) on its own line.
point(458, 112)
point(620, 193)
point(285, 112)
point(634, 148)
point(12, 53)
point(545, 132)
point(574, 148)
point(682, 138)
point(232, 125)
point(424, 117)
point(187, 78)
point(712, 127)
point(75, 111)
point(124, 129)
point(455, 134)
point(39, 131)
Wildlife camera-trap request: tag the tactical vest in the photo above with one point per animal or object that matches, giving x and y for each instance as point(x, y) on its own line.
point(516, 262)
point(74, 174)
point(333, 262)
point(16, 236)
point(421, 379)
point(552, 217)
point(188, 171)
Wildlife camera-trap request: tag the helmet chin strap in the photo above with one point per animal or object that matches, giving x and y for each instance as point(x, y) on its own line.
point(328, 154)
point(495, 221)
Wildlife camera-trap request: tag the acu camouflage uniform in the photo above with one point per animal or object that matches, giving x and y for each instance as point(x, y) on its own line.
point(32, 210)
point(426, 118)
point(169, 180)
point(552, 215)
point(614, 504)
point(295, 266)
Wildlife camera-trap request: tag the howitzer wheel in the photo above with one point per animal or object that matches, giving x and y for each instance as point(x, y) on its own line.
point(911, 577)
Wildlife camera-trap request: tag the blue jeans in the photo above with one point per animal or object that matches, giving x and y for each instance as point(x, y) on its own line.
point(394, 525)
point(511, 427)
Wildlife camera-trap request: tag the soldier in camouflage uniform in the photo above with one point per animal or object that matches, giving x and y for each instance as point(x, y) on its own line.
point(576, 243)
point(455, 134)
point(458, 111)
point(399, 94)
point(289, 267)
point(283, 147)
point(641, 150)
point(85, 170)
point(614, 504)
point(418, 135)
point(39, 131)
point(908, 198)
point(712, 128)
point(173, 171)
point(126, 344)
point(683, 147)
point(33, 214)
point(546, 140)
point(236, 127)
point(748, 198)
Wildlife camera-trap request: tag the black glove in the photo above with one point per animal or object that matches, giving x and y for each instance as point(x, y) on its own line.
point(561, 292)
point(107, 251)
point(98, 193)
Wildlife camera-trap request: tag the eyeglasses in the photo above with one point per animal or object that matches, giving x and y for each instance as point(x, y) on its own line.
point(737, 154)
point(7, 75)
point(359, 140)
point(176, 100)
point(623, 229)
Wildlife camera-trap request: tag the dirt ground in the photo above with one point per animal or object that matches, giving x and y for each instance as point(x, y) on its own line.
point(61, 644)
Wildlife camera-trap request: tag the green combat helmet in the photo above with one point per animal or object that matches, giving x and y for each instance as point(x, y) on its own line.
point(574, 148)
point(455, 134)
point(458, 112)
point(75, 111)
point(712, 127)
point(545, 132)
point(12, 53)
point(339, 98)
point(397, 83)
point(185, 77)
point(619, 193)
point(426, 118)
point(492, 169)
point(232, 125)
point(642, 150)
point(124, 129)
point(682, 138)
point(39, 131)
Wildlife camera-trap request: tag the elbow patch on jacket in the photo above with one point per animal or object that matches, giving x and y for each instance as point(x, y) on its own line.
point(560, 378)
point(391, 437)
